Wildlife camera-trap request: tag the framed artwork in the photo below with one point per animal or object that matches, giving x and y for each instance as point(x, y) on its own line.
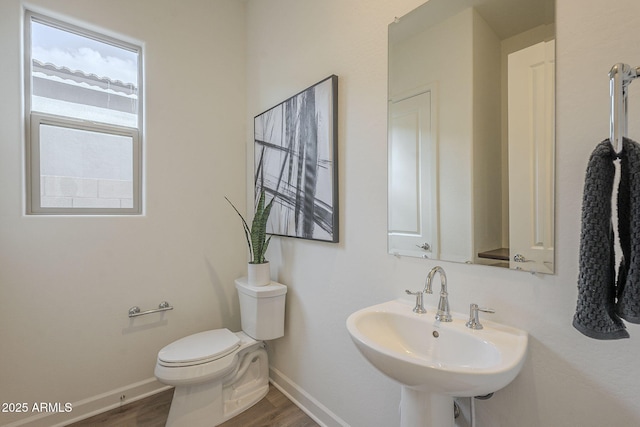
point(296, 163)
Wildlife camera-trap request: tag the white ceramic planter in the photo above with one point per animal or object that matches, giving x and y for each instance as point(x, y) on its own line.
point(259, 274)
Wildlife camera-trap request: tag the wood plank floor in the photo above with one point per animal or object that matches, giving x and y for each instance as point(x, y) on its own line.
point(275, 410)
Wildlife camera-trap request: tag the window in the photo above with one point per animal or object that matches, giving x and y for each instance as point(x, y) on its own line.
point(83, 112)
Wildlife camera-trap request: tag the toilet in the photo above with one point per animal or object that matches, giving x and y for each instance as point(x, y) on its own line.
point(218, 374)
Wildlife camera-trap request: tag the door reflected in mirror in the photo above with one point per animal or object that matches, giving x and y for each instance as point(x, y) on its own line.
point(471, 133)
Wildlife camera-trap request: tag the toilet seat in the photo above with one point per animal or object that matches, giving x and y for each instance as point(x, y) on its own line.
point(199, 348)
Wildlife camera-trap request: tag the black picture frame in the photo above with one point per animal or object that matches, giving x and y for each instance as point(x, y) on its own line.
point(296, 162)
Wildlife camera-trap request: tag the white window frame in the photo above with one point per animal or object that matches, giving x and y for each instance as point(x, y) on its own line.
point(35, 119)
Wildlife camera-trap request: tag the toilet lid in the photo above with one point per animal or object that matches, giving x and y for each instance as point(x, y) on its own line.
point(200, 348)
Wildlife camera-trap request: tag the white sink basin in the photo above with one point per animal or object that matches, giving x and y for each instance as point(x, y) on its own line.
point(444, 358)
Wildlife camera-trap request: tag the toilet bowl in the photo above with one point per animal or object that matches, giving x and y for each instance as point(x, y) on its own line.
point(217, 374)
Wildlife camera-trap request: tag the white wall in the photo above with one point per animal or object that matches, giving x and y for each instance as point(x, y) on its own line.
point(487, 167)
point(568, 379)
point(66, 284)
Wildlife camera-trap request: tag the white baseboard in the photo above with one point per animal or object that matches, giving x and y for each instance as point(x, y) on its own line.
point(316, 410)
point(93, 405)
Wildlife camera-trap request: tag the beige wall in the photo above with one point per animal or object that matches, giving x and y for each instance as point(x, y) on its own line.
point(66, 284)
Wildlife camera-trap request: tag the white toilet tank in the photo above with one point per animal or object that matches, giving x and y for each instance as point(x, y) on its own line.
point(262, 309)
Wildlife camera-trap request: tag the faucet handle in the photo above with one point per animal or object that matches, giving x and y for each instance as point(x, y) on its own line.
point(419, 308)
point(474, 321)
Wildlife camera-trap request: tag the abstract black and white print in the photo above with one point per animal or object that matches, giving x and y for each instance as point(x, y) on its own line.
point(296, 163)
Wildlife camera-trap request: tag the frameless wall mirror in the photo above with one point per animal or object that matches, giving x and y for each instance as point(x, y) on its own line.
point(471, 133)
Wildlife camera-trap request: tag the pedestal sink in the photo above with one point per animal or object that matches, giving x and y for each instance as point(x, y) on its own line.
point(436, 361)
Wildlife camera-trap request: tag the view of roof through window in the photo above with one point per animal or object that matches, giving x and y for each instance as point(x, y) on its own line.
point(84, 121)
point(77, 76)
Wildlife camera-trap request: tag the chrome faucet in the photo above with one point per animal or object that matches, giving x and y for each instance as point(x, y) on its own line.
point(474, 321)
point(419, 308)
point(443, 313)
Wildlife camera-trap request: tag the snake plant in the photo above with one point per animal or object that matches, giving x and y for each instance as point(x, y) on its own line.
point(256, 235)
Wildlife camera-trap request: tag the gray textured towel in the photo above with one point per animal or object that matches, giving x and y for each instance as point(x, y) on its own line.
point(628, 290)
point(595, 313)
